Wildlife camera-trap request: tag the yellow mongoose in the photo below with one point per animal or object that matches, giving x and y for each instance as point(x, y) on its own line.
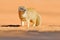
point(29, 15)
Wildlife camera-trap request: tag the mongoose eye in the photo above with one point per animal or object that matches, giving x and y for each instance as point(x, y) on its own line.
point(21, 8)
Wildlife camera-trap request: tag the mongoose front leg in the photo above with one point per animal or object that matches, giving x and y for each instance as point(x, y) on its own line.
point(28, 23)
point(22, 23)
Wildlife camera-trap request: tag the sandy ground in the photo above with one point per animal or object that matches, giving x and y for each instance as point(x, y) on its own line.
point(30, 35)
point(48, 9)
point(50, 20)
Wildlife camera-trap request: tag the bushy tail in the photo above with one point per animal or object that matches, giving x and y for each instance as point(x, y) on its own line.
point(38, 21)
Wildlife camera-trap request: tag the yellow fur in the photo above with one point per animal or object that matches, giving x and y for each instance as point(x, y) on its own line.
point(30, 15)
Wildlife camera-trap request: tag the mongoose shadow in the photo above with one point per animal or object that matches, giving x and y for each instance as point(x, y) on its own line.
point(10, 25)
